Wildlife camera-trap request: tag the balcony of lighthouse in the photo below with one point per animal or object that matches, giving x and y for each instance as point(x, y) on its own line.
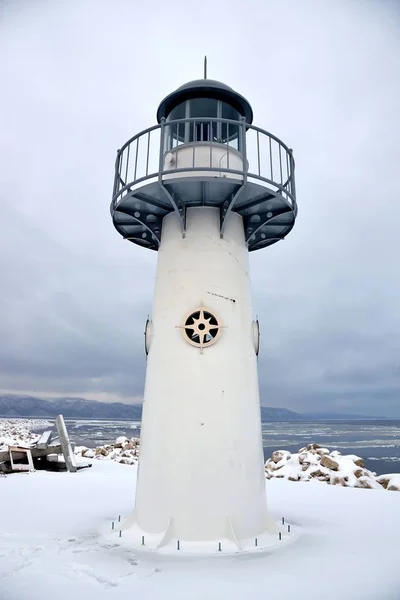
point(187, 162)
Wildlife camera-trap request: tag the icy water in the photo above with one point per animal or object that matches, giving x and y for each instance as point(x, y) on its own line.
point(378, 442)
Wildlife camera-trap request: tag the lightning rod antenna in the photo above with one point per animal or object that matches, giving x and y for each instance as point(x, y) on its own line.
point(205, 67)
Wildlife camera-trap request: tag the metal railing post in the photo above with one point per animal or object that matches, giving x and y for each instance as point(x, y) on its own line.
point(244, 149)
point(148, 153)
point(161, 158)
point(116, 178)
point(194, 143)
point(136, 157)
point(292, 181)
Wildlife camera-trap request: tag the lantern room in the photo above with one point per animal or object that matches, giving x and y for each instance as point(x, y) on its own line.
point(189, 113)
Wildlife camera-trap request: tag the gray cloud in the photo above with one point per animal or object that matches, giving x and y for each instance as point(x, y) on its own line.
point(82, 77)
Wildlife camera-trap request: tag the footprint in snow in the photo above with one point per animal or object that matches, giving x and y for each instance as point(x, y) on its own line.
point(88, 572)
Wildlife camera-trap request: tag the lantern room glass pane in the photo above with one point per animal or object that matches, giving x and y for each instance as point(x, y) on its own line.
point(177, 133)
point(202, 129)
point(230, 132)
point(179, 112)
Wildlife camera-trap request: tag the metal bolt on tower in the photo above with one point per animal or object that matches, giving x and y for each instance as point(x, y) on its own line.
point(204, 187)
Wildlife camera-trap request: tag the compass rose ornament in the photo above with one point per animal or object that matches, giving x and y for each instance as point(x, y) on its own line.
point(201, 328)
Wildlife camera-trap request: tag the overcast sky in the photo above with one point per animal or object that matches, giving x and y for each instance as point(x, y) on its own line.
point(78, 78)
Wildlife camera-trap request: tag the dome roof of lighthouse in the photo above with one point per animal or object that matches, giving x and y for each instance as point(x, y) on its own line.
point(205, 88)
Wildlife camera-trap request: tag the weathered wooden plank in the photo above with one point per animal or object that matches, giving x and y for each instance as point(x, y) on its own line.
point(15, 464)
point(44, 440)
point(52, 449)
point(69, 456)
point(36, 452)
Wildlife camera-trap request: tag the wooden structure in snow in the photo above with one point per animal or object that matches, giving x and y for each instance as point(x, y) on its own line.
point(43, 454)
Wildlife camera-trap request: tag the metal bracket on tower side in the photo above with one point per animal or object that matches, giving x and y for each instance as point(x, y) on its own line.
point(227, 208)
point(178, 206)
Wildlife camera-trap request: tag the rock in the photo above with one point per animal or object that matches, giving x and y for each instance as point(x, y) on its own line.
point(313, 446)
point(329, 463)
point(334, 480)
point(101, 451)
point(359, 473)
point(364, 483)
point(128, 446)
point(88, 453)
point(317, 473)
point(302, 457)
point(359, 462)
point(322, 451)
point(296, 478)
point(384, 482)
point(278, 455)
point(393, 488)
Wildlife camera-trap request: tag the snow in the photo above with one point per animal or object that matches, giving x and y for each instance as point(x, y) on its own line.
point(19, 431)
point(56, 535)
point(56, 539)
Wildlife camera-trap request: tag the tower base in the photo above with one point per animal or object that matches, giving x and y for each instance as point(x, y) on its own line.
point(166, 542)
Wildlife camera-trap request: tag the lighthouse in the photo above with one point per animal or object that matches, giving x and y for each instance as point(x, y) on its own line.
point(203, 187)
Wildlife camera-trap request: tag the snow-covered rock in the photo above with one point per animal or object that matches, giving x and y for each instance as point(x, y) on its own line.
point(123, 450)
point(313, 463)
point(120, 441)
point(390, 481)
point(329, 463)
point(88, 453)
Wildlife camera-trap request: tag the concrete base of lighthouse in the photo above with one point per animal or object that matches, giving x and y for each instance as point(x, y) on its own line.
point(201, 483)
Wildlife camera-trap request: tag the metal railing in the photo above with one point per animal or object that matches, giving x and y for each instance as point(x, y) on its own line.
point(264, 157)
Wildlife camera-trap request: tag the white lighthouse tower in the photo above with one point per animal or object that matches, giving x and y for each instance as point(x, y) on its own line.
point(203, 187)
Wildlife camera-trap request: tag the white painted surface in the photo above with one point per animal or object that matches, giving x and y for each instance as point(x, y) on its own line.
point(68, 453)
point(15, 452)
point(44, 440)
point(203, 154)
point(206, 405)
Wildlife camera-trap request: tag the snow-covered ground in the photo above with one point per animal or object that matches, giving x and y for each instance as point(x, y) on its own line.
point(56, 539)
point(56, 536)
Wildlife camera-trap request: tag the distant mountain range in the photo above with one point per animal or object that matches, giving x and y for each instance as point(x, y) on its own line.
point(13, 405)
point(28, 406)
